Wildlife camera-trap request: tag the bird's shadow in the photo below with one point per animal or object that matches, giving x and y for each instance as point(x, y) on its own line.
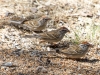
point(78, 59)
point(64, 44)
point(86, 60)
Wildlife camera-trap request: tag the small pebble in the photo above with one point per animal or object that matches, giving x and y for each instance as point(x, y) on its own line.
point(41, 69)
point(7, 64)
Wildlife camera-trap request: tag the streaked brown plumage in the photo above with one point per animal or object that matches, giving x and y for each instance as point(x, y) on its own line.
point(32, 25)
point(37, 25)
point(51, 36)
point(76, 51)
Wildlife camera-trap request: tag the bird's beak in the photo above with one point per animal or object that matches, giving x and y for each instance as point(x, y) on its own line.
point(48, 18)
point(68, 31)
point(90, 45)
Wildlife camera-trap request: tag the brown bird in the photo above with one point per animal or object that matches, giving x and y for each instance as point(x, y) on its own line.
point(36, 25)
point(76, 51)
point(51, 36)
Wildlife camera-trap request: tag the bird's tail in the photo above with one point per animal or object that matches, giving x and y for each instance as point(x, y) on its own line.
point(31, 36)
point(4, 22)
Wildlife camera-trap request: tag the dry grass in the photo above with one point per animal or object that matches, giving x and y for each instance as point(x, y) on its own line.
point(80, 16)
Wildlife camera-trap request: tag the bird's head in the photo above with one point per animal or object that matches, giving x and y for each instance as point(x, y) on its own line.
point(85, 45)
point(45, 18)
point(63, 30)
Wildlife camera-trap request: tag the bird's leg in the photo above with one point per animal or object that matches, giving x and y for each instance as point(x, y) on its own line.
point(54, 45)
point(41, 41)
point(38, 31)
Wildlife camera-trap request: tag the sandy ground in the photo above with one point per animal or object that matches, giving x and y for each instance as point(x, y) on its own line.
point(20, 56)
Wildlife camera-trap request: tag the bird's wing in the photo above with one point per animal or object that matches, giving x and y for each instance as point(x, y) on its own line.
point(30, 36)
point(73, 49)
point(49, 35)
point(32, 23)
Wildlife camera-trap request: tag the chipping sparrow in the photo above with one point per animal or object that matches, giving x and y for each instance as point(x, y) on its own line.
point(29, 23)
point(76, 51)
point(51, 36)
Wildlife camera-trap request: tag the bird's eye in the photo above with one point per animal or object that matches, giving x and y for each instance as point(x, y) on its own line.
point(64, 30)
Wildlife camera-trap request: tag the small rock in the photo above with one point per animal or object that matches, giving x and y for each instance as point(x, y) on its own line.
point(48, 49)
point(34, 10)
point(17, 52)
point(8, 64)
point(34, 53)
point(41, 69)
